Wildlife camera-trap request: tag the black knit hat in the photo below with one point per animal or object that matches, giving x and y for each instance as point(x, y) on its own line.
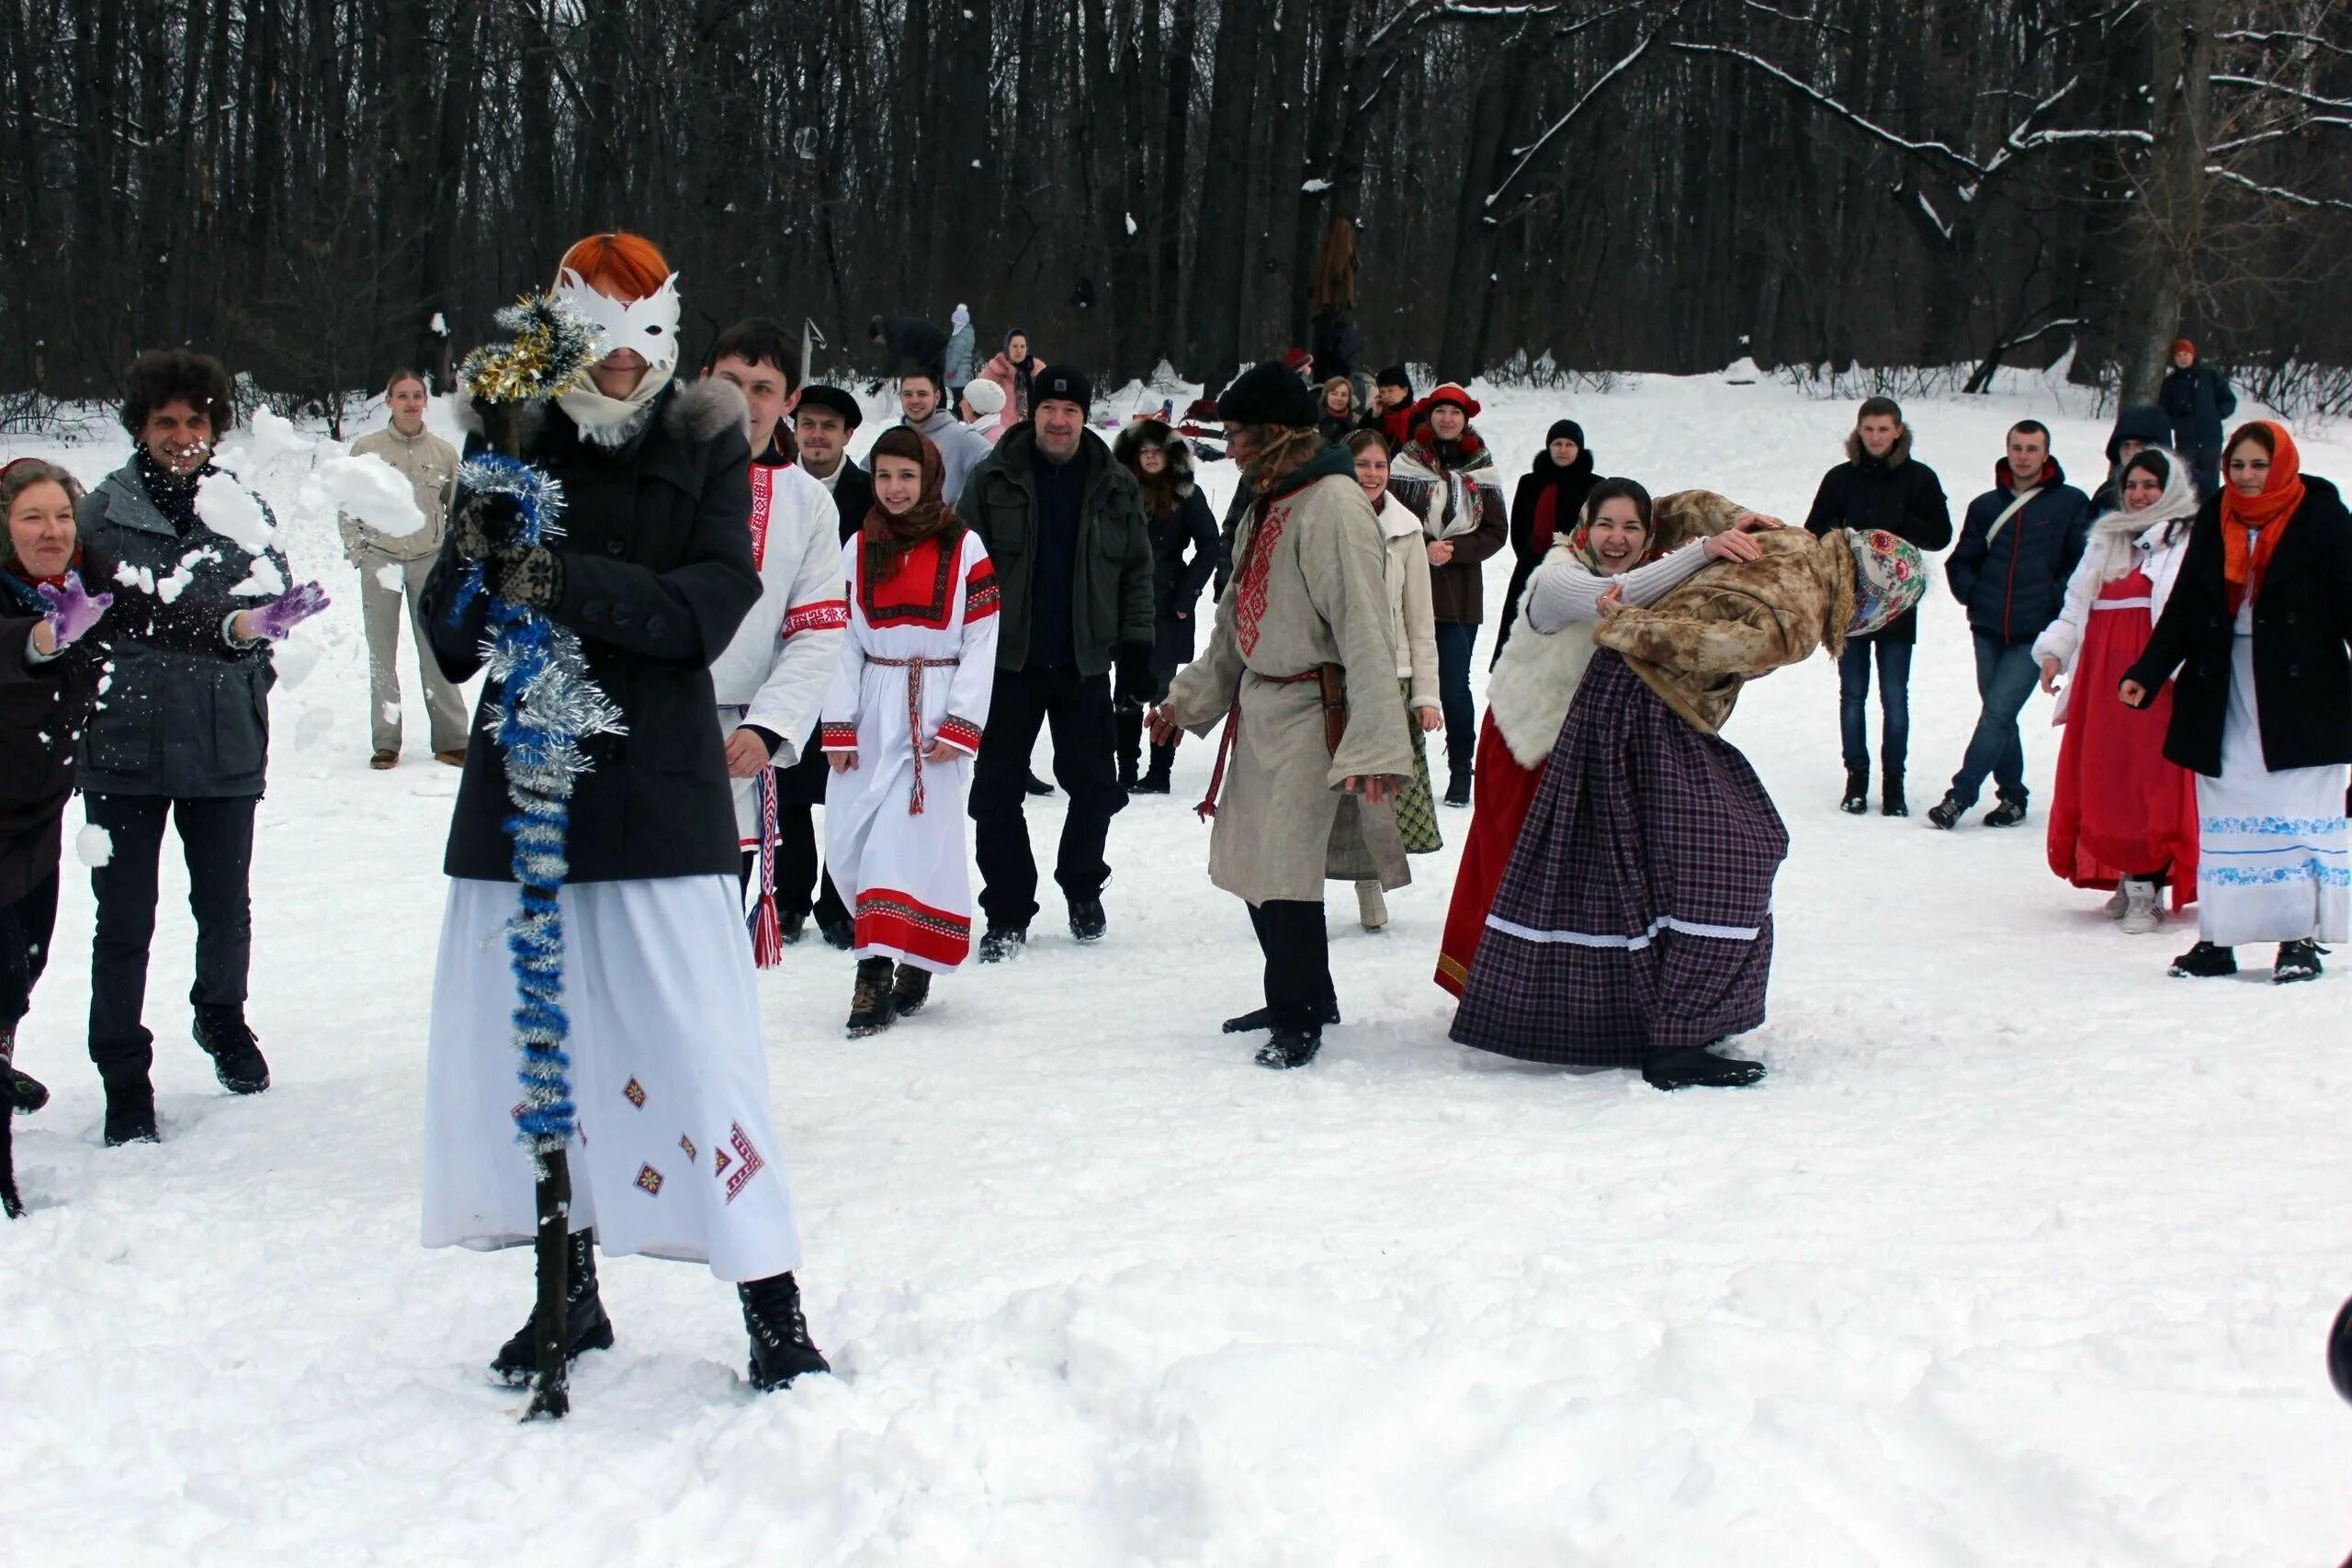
point(1568, 430)
point(1064, 383)
point(1394, 376)
point(819, 396)
point(1271, 394)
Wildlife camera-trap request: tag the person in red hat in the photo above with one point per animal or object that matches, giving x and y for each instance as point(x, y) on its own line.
point(2197, 398)
point(1445, 476)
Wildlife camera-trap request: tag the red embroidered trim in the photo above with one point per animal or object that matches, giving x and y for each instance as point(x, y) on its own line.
point(762, 498)
point(1249, 602)
point(960, 732)
point(980, 595)
point(819, 615)
point(886, 918)
point(752, 1163)
point(905, 577)
point(837, 738)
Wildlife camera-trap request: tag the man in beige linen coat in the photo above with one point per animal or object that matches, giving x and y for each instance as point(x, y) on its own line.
point(1292, 807)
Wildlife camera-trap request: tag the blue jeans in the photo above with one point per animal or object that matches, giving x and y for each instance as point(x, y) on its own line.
point(1893, 703)
point(1456, 642)
point(2005, 676)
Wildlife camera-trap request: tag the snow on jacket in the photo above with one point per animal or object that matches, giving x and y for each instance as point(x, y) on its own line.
point(961, 448)
point(2012, 562)
point(1897, 492)
point(2151, 541)
point(2196, 401)
point(1451, 486)
point(1309, 591)
point(780, 660)
point(1412, 623)
point(430, 466)
point(1734, 621)
point(183, 722)
point(1111, 592)
point(2303, 623)
point(656, 559)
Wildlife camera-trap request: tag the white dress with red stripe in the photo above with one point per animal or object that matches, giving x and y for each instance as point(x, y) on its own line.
point(917, 666)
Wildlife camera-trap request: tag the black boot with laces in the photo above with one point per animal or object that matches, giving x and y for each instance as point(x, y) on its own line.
point(781, 1349)
point(585, 1327)
point(236, 1056)
point(2205, 961)
point(2297, 961)
point(870, 1009)
point(910, 988)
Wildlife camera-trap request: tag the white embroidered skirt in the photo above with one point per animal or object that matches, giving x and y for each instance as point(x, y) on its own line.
point(677, 1155)
point(2272, 860)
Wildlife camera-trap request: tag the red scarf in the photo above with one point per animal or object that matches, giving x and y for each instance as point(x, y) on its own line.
point(17, 566)
point(2252, 525)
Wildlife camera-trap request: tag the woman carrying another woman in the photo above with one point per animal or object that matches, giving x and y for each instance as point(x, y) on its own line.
point(1406, 572)
point(2123, 819)
point(2255, 633)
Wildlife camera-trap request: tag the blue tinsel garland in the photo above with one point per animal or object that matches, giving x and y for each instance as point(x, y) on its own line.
point(547, 705)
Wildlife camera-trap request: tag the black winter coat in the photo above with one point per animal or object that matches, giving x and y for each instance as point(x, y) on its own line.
point(45, 707)
point(1568, 487)
point(2144, 422)
point(1179, 520)
point(657, 575)
point(181, 723)
point(1897, 492)
point(2014, 585)
point(2302, 624)
point(2196, 401)
point(1111, 600)
point(911, 343)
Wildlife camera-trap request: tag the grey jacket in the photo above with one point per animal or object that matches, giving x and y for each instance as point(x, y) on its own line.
point(961, 448)
point(184, 726)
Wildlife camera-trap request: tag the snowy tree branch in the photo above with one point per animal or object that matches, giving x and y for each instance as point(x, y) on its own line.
point(2311, 40)
point(2277, 193)
point(2261, 83)
point(1527, 154)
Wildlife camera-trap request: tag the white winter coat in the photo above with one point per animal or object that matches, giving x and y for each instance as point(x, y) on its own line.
point(1407, 570)
point(2154, 541)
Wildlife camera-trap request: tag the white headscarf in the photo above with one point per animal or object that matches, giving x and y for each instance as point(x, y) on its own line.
point(2114, 534)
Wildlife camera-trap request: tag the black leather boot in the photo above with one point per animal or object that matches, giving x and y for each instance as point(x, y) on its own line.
point(781, 1349)
point(585, 1327)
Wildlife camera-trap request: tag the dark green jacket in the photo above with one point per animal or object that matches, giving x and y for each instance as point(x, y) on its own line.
point(1109, 577)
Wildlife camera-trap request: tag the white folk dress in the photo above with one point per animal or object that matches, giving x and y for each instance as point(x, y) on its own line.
point(676, 1154)
point(918, 665)
point(2272, 860)
point(775, 672)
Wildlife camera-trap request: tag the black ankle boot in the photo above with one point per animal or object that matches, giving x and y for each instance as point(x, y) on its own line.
point(910, 988)
point(131, 1111)
point(1155, 780)
point(1890, 796)
point(2297, 961)
point(585, 1327)
point(19, 1092)
point(1287, 1048)
point(2205, 961)
point(781, 1349)
point(236, 1055)
point(1857, 799)
point(1698, 1066)
point(870, 1007)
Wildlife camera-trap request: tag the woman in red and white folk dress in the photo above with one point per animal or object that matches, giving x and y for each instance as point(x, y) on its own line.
point(902, 724)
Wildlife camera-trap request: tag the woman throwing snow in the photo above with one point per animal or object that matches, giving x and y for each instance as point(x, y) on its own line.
point(901, 726)
point(2256, 634)
point(2122, 817)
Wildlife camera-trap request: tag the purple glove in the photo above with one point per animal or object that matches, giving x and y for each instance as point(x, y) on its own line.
point(72, 610)
point(289, 610)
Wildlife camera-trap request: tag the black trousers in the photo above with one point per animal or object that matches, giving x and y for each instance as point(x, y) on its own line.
point(24, 929)
point(1077, 708)
point(217, 842)
point(1130, 707)
point(797, 872)
point(1298, 963)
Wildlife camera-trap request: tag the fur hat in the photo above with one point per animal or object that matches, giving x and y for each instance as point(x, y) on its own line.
point(1450, 392)
point(833, 398)
point(1062, 383)
point(1395, 376)
point(985, 396)
point(1270, 393)
point(1888, 578)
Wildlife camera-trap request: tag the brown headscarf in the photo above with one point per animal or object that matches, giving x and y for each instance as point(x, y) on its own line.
point(886, 538)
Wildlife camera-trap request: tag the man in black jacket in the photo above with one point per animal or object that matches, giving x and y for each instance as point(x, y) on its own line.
point(2197, 399)
point(907, 344)
point(2017, 548)
point(1064, 524)
point(1880, 485)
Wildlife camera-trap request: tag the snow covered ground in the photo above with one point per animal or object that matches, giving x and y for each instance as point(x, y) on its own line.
point(2024, 1254)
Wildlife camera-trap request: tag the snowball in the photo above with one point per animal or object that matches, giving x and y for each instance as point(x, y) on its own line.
point(94, 846)
point(172, 587)
point(231, 511)
point(440, 327)
point(372, 490)
point(137, 577)
point(265, 579)
point(294, 659)
point(389, 577)
point(391, 712)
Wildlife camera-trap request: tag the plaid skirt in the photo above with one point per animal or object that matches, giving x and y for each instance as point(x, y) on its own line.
point(1636, 912)
point(1416, 806)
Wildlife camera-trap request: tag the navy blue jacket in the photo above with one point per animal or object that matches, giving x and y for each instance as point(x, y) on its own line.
point(2014, 584)
point(2196, 401)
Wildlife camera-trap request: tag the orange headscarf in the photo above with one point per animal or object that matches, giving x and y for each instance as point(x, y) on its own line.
point(2252, 525)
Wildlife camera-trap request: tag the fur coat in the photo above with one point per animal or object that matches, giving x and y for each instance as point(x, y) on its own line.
point(1737, 620)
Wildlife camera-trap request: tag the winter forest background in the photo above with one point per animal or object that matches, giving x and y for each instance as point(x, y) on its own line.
point(307, 186)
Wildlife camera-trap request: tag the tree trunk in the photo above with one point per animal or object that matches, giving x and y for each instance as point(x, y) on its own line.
point(1470, 284)
point(1220, 252)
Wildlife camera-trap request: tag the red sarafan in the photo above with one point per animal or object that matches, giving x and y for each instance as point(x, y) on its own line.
point(620, 265)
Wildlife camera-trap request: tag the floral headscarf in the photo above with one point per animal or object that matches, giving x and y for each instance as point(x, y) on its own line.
point(1889, 577)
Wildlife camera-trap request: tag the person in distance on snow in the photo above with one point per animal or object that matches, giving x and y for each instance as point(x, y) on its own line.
point(956, 368)
point(1880, 485)
point(2256, 634)
point(1405, 572)
point(1625, 549)
point(2018, 550)
point(1547, 504)
point(2121, 818)
point(1301, 669)
point(924, 410)
point(677, 1155)
point(2197, 398)
point(908, 343)
point(1445, 476)
point(1015, 371)
point(770, 679)
point(67, 609)
point(181, 734)
point(430, 466)
point(1632, 927)
point(908, 706)
point(1061, 518)
point(1178, 516)
point(822, 421)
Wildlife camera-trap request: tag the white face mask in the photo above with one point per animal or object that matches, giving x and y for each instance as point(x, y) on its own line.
point(648, 325)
